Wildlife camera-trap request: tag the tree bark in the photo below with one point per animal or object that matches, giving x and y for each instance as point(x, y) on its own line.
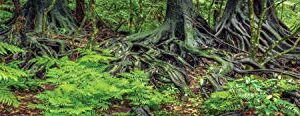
point(234, 27)
point(57, 15)
point(178, 43)
point(40, 17)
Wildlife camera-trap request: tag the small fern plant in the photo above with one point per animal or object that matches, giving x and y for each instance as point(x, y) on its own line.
point(9, 74)
point(6, 49)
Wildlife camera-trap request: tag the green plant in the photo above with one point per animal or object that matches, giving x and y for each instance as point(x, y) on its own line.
point(132, 15)
point(5, 13)
point(288, 13)
point(252, 93)
point(13, 78)
point(28, 80)
point(6, 49)
point(6, 10)
point(84, 87)
point(8, 97)
point(45, 62)
point(9, 74)
point(140, 93)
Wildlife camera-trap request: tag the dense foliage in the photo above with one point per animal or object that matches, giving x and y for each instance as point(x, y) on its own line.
point(9, 75)
point(83, 87)
point(143, 15)
point(252, 93)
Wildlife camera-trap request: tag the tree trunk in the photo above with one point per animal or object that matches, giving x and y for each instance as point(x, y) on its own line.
point(181, 23)
point(53, 14)
point(234, 27)
point(180, 42)
point(40, 17)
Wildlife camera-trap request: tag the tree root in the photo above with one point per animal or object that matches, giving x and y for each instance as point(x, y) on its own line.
point(264, 71)
point(185, 38)
point(49, 16)
point(293, 96)
point(274, 38)
point(166, 53)
point(37, 45)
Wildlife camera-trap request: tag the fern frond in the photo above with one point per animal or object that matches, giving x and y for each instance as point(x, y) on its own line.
point(8, 97)
point(95, 59)
point(7, 48)
point(287, 107)
point(86, 51)
point(9, 73)
point(83, 85)
point(43, 62)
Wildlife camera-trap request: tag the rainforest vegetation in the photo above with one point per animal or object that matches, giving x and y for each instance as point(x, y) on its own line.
point(149, 57)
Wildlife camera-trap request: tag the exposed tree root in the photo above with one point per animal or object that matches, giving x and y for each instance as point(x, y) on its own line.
point(274, 40)
point(179, 43)
point(34, 23)
point(265, 71)
point(293, 97)
point(185, 38)
point(39, 46)
point(274, 36)
point(42, 15)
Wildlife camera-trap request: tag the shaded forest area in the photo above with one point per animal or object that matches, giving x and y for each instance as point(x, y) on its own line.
point(149, 57)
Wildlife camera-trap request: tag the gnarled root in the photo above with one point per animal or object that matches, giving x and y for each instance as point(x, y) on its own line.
point(166, 52)
point(274, 37)
point(39, 46)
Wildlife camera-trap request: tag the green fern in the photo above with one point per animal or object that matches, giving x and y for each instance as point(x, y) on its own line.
point(83, 87)
point(287, 107)
point(7, 48)
point(9, 76)
point(45, 62)
point(95, 59)
point(4, 14)
point(8, 97)
point(9, 73)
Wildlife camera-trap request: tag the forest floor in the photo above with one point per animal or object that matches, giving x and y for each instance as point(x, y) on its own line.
point(187, 106)
point(27, 97)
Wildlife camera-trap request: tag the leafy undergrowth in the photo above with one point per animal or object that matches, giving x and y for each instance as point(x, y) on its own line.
point(81, 85)
point(9, 75)
point(84, 88)
point(253, 96)
point(12, 81)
